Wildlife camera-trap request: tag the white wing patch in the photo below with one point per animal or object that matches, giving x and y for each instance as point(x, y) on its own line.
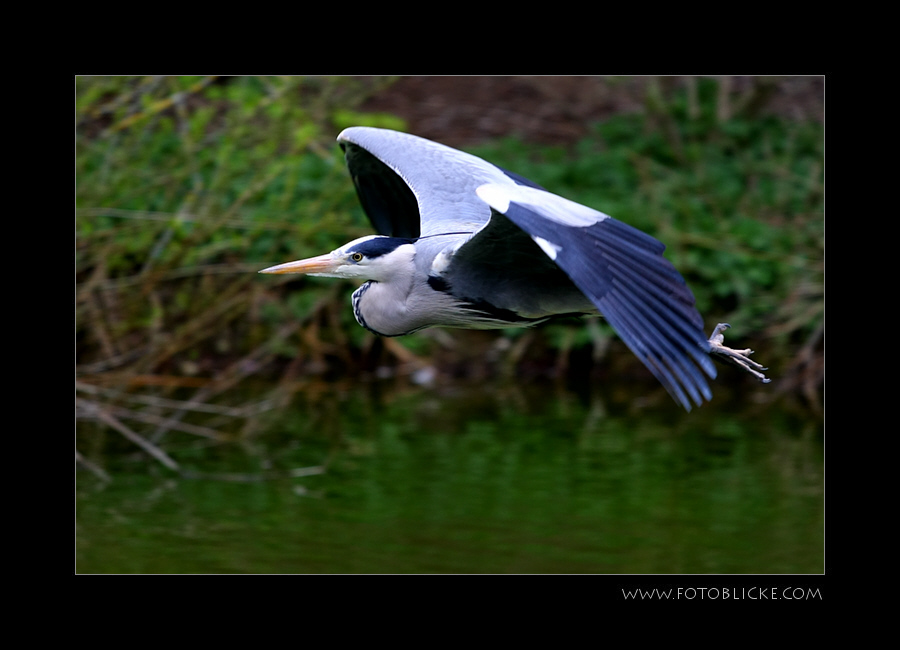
point(548, 247)
point(553, 207)
point(496, 196)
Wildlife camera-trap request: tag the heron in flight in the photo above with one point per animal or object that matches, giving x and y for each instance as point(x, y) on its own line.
point(464, 243)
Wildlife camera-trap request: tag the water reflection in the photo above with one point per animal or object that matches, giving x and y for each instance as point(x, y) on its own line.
point(465, 479)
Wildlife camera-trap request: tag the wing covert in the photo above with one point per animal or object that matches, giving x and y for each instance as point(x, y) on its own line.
point(440, 180)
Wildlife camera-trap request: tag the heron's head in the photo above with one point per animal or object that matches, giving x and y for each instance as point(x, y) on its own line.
point(373, 257)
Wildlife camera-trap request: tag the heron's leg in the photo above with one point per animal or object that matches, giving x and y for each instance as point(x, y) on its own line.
point(740, 358)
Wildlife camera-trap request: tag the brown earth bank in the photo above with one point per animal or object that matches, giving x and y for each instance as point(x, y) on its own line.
point(561, 109)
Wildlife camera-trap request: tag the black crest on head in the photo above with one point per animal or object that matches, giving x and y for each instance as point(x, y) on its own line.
point(379, 246)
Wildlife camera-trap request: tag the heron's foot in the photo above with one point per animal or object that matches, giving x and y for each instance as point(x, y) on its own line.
point(740, 358)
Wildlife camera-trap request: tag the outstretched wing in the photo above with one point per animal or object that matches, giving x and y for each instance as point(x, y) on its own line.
point(623, 272)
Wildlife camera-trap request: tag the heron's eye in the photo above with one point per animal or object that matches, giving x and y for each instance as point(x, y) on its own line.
point(356, 257)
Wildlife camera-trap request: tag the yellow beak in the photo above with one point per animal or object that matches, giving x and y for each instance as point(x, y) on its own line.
point(312, 266)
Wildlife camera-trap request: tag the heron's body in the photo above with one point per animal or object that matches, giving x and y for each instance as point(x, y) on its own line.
point(464, 243)
point(427, 289)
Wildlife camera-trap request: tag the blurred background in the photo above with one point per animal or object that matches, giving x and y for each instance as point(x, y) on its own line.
point(238, 423)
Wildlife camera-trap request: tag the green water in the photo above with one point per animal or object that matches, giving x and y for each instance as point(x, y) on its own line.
point(470, 480)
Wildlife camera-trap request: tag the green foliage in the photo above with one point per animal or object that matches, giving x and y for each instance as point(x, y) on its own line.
point(344, 118)
point(185, 186)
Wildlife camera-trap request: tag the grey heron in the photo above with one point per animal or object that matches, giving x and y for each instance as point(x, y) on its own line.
point(464, 243)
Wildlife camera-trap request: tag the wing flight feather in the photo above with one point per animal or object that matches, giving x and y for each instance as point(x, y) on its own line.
point(623, 272)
